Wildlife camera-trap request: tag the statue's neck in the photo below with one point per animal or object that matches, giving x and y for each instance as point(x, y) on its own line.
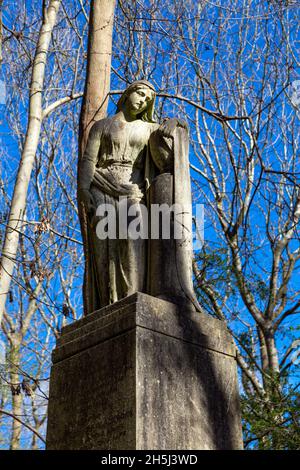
point(124, 115)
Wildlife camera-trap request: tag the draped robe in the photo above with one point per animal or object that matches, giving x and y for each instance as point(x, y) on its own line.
point(124, 159)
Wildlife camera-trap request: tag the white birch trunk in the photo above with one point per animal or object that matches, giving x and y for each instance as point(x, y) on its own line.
point(18, 204)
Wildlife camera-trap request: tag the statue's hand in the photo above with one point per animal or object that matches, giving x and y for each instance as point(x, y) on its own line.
point(169, 125)
point(86, 198)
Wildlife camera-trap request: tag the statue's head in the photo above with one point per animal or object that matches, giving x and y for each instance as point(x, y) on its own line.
point(140, 95)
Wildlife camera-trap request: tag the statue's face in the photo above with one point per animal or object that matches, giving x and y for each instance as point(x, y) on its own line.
point(138, 100)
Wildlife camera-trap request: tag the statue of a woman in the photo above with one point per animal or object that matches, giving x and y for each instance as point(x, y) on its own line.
point(130, 157)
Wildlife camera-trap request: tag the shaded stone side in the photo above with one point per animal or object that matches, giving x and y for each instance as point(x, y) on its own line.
point(186, 396)
point(141, 374)
point(92, 398)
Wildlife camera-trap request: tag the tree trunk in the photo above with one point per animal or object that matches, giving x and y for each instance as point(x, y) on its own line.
point(18, 204)
point(17, 405)
point(1, 35)
point(17, 397)
point(264, 360)
point(97, 85)
point(272, 353)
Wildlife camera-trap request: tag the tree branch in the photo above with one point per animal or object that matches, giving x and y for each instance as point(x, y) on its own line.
point(24, 424)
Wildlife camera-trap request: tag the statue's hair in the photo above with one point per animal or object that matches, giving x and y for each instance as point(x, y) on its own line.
point(147, 114)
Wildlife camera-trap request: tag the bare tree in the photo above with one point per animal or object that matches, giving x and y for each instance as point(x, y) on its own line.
point(49, 233)
point(35, 114)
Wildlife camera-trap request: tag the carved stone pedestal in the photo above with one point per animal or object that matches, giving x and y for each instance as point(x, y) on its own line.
point(140, 374)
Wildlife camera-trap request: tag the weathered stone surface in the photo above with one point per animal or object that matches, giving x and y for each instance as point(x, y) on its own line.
point(141, 374)
point(129, 157)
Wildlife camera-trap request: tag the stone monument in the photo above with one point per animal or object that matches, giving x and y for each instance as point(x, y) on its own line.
point(145, 368)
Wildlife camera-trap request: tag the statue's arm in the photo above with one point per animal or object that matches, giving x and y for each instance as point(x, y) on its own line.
point(89, 160)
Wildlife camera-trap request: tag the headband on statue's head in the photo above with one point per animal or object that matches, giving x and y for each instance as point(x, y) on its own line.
point(147, 114)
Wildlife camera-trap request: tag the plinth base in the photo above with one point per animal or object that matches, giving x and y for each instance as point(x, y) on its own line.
point(140, 374)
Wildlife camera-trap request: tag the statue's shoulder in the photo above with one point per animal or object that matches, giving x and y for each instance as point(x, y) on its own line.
point(153, 126)
point(99, 126)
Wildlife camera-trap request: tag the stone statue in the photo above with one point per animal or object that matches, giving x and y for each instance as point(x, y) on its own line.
point(131, 160)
